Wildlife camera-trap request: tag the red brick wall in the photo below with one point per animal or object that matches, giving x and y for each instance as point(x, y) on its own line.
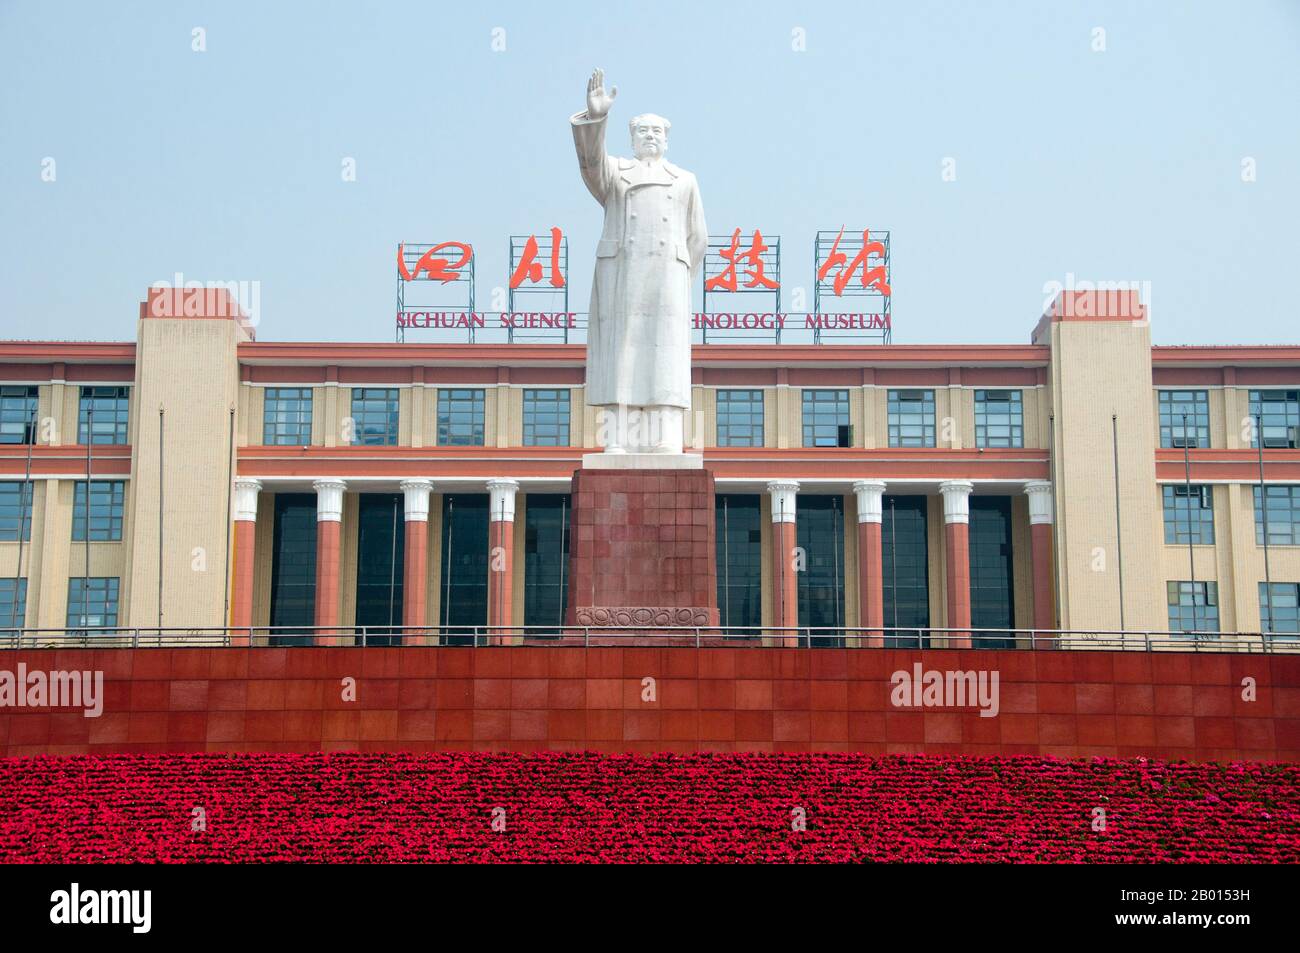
point(1059, 703)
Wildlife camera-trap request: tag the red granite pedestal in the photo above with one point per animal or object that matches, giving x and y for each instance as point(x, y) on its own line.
point(642, 550)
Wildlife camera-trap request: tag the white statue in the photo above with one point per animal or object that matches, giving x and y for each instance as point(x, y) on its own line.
point(653, 243)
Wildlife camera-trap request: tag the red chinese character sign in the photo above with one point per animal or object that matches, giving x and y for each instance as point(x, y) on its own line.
point(435, 280)
point(851, 281)
point(526, 269)
point(752, 258)
point(431, 263)
point(746, 262)
point(852, 265)
point(539, 278)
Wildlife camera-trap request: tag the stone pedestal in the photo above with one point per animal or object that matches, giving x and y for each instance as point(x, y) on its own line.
point(642, 550)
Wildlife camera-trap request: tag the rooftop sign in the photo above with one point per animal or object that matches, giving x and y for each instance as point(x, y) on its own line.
point(851, 294)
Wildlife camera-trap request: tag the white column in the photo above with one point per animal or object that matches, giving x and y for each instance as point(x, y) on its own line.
point(1040, 502)
point(501, 500)
point(869, 494)
point(245, 504)
point(783, 494)
point(416, 496)
point(956, 500)
point(785, 585)
point(329, 500)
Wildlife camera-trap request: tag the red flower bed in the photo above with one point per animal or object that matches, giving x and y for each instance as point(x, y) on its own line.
point(588, 807)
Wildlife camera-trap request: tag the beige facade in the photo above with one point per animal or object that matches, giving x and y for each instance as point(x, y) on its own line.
point(1090, 419)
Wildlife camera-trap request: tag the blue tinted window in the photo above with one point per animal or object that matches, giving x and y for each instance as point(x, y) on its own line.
point(375, 416)
point(1184, 418)
point(911, 418)
point(1189, 513)
point(740, 562)
point(740, 418)
point(826, 418)
point(92, 603)
point(15, 510)
point(1193, 606)
point(546, 417)
point(546, 558)
point(460, 417)
point(999, 418)
point(107, 501)
point(286, 417)
point(17, 414)
point(1283, 515)
point(107, 411)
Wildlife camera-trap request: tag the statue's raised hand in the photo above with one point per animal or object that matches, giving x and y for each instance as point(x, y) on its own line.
point(598, 101)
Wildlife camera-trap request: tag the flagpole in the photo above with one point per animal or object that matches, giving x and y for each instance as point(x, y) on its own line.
point(1191, 553)
point(1263, 509)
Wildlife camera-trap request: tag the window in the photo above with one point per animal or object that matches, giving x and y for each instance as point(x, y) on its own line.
point(13, 603)
point(819, 532)
point(740, 562)
point(286, 417)
point(463, 583)
point(911, 418)
point(905, 565)
point(381, 542)
point(1279, 611)
point(546, 418)
point(374, 415)
point(15, 511)
point(460, 418)
point(1283, 515)
point(1173, 405)
point(111, 409)
point(293, 569)
point(740, 418)
point(546, 559)
point(92, 602)
point(1193, 606)
point(1279, 417)
point(826, 418)
point(17, 414)
point(992, 605)
point(999, 418)
point(1189, 513)
point(106, 499)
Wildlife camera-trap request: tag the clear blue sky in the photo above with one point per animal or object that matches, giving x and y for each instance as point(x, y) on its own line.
point(225, 164)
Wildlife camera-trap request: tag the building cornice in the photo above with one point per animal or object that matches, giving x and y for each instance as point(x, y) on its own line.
point(702, 355)
point(1225, 355)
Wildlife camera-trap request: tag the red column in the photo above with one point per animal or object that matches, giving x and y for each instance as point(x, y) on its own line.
point(956, 517)
point(243, 561)
point(329, 513)
point(501, 538)
point(415, 564)
point(871, 586)
point(1040, 540)
point(785, 581)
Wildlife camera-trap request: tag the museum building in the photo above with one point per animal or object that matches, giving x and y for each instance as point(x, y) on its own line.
point(1083, 481)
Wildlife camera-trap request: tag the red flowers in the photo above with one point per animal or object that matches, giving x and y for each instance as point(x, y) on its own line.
point(588, 807)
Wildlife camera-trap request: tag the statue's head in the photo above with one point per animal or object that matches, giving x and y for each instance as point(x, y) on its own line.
point(649, 136)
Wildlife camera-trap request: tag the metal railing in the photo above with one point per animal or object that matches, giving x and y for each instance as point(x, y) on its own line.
point(685, 636)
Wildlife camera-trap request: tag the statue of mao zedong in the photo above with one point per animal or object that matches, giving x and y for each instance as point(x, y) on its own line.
point(653, 243)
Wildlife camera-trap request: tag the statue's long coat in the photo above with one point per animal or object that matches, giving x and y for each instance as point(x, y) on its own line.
point(639, 331)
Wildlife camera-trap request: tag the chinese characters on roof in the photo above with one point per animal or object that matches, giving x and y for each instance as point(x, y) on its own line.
point(848, 264)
